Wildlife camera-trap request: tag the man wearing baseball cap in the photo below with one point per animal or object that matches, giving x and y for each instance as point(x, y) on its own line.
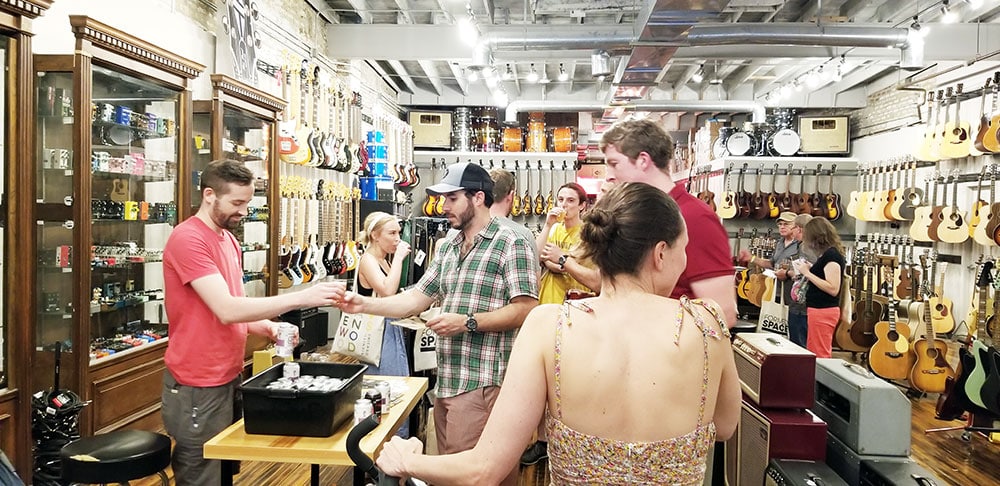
point(786, 250)
point(485, 278)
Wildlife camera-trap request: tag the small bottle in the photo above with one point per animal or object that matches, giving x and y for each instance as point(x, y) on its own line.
point(362, 409)
point(285, 343)
point(291, 370)
point(383, 388)
point(376, 400)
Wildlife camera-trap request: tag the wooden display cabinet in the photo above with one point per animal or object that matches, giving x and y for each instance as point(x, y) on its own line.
point(110, 159)
point(16, 127)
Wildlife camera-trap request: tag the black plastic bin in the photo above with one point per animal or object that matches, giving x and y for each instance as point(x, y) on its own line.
point(296, 412)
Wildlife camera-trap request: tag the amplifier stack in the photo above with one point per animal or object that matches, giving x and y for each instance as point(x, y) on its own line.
point(777, 377)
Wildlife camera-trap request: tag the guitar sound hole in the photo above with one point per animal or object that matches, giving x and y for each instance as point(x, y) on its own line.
point(932, 353)
point(893, 335)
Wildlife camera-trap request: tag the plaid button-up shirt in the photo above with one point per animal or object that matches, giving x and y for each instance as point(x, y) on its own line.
point(497, 269)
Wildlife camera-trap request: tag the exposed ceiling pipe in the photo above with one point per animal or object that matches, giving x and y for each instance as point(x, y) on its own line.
point(531, 37)
point(754, 107)
point(797, 34)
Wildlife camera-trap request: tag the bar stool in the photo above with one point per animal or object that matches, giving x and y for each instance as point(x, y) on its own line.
point(116, 457)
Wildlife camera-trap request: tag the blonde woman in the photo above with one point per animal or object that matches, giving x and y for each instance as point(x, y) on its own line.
point(378, 275)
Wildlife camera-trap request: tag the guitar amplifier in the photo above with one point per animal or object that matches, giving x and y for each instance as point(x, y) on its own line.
point(764, 434)
point(824, 135)
point(775, 372)
point(867, 413)
point(792, 472)
point(847, 463)
point(431, 129)
point(890, 473)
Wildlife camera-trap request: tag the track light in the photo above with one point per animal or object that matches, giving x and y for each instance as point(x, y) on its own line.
point(563, 75)
point(532, 76)
point(508, 74)
point(947, 15)
point(699, 75)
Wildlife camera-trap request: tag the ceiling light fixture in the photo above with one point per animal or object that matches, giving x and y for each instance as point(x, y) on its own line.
point(948, 16)
point(600, 64)
point(532, 76)
point(974, 3)
point(472, 75)
point(563, 75)
point(508, 74)
point(699, 75)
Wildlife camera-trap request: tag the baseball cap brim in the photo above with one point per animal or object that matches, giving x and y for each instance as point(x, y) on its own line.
point(442, 188)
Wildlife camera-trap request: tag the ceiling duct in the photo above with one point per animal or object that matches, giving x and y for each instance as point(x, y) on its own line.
point(753, 107)
point(549, 37)
point(797, 34)
point(600, 64)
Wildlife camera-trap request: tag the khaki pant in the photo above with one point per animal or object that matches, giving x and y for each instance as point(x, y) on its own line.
point(459, 422)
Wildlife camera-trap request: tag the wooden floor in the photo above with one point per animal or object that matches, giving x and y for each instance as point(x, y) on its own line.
point(954, 459)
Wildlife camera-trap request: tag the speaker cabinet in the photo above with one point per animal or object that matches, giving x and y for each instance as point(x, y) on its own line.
point(765, 434)
point(792, 472)
point(431, 129)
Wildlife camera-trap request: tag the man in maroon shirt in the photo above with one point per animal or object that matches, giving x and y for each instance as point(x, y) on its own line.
point(639, 151)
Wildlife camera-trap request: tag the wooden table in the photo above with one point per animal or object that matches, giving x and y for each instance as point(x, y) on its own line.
point(235, 444)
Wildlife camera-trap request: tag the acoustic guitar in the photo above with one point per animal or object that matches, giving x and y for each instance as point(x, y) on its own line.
point(527, 202)
point(957, 143)
point(785, 199)
point(936, 216)
point(817, 199)
point(804, 198)
point(773, 210)
point(742, 275)
point(842, 333)
point(990, 140)
point(988, 214)
point(922, 216)
point(727, 210)
point(833, 207)
point(744, 199)
point(925, 150)
point(891, 356)
point(942, 125)
point(759, 208)
point(515, 206)
point(891, 196)
point(976, 213)
point(870, 309)
point(954, 227)
point(852, 202)
point(913, 196)
point(984, 122)
point(941, 307)
point(539, 205)
point(931, 369)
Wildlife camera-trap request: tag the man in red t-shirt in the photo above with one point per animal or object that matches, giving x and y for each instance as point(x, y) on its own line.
point(209, 319)
point(638, 151)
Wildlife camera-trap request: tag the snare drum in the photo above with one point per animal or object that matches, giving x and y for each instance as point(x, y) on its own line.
point(562, 139)
point(536, 132)
point(513, 139)
point(486, 132)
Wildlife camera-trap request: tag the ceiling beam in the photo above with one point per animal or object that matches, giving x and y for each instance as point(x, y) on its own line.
point(361, 9)
point(393, 83)
point(463, 83)
point(404, 76)
point(432, 76)
point(685, 77)
point(809, 11)
point(404, 11)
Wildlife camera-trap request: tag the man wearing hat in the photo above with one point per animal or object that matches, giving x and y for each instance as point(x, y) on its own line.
point(786, 250)
point(486, 280)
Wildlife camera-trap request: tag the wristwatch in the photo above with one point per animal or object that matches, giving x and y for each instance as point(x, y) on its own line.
point(470, 322)
point(562, 262)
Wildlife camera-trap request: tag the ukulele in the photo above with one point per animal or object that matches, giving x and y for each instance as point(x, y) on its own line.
point(976, 359)
point(990, 140)
point(931, 369)
point(727, 210)
point(891, 356)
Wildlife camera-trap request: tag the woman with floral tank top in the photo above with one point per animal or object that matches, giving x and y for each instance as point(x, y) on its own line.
point(602, 371)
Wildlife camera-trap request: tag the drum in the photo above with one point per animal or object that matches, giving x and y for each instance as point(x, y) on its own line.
point(536, 132)
point(785, 142)
point(739, 143)
point(562, 139)
point(461, 130)
point(513, 139)
point(761, 133)
point(486, 134)
point(719, 147)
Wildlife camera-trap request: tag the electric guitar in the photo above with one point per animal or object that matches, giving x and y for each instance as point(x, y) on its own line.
point(989, 393)
point(288, 144)
point(955, 400)
point(974, 369)
point(515, 206)
point(931, 369)
point(302, 131)
point(539, 205)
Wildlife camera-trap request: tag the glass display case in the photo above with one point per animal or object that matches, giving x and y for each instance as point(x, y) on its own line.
point(108, 156)
point(240, 123)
